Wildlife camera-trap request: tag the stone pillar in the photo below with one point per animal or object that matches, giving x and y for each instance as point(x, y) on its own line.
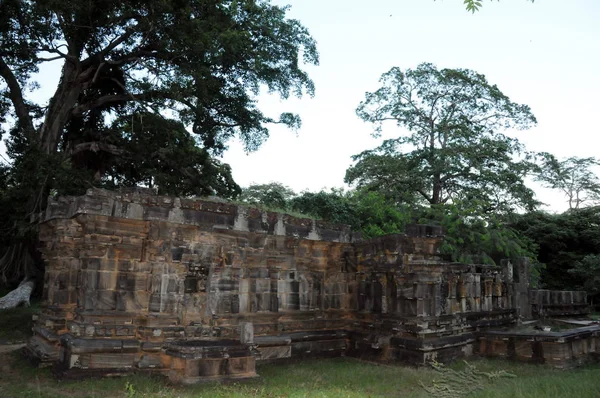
point(522, 265)
point(521, 288)
point(508, 277)
point(507, 270)
point(247, 333)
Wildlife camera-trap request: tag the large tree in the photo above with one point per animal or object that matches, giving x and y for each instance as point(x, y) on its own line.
point(451, 145)
point(197, 63)
point(573, 177)
point(200, 59)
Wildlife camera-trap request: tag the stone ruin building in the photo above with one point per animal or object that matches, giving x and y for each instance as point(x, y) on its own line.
point(199, 290)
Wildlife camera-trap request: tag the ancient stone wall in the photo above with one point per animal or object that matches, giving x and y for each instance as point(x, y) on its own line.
point(131, 275)
point(551, 303)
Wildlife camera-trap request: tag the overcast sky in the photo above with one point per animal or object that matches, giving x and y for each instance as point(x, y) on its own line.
point(545, 55)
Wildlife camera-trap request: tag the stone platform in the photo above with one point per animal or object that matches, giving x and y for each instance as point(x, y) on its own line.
point(559, 348)
point(131, 276)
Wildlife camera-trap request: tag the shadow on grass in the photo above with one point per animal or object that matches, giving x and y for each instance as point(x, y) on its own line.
point(16, 323)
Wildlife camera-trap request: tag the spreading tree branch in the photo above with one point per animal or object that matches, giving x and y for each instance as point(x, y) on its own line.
point(16, 97)
point(108, 99)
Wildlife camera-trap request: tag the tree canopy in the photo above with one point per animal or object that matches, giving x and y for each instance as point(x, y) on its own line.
point(573, 177)
point(160, 153)
point(273, 195)
point(196, 61)
point(453, 148)
point(150, 92)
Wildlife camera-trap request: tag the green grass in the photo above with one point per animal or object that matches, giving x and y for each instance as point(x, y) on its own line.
point(541, 381)
point(340, 377)
point(16, 323)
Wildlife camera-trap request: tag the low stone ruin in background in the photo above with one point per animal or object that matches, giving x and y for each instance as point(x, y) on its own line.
point(200, 290)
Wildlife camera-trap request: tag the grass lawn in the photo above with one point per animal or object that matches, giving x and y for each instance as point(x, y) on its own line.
point(340, 377)
point(16, 323)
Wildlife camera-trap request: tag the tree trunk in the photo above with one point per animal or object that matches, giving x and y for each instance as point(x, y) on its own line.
point(436, 195)
point(20, 261)
point(61, 106)
point(18, 296)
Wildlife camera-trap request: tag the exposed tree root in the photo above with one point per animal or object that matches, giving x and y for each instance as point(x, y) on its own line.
point(18, 296)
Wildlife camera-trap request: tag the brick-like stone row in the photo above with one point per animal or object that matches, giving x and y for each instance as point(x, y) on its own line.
point(546, 303)
point(561, 349)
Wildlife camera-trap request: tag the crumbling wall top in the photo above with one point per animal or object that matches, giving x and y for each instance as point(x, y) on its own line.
point(210, 214)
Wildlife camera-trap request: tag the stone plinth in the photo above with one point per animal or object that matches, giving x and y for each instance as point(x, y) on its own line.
point(560, 349)
point(129, 274)
point(195, 361)
point(547, 303)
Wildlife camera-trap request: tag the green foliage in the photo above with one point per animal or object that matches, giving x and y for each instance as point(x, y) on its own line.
point(473, 238)
point(366, 212)
point(334, 205)
point(588, 270)
point(376, 216)
point(475, 5)
point(453, 150)
point(161, 153)
point(573, 177)
point(129, 390)
point(472, 5)
point(272, 195)
point(564, 241)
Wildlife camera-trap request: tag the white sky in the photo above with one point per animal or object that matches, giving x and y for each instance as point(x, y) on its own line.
point(545, 55)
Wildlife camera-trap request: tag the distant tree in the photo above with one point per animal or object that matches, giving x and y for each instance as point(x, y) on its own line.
point(573, 177)
point(273, 195)
point(453, 149)
point(333, 205)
